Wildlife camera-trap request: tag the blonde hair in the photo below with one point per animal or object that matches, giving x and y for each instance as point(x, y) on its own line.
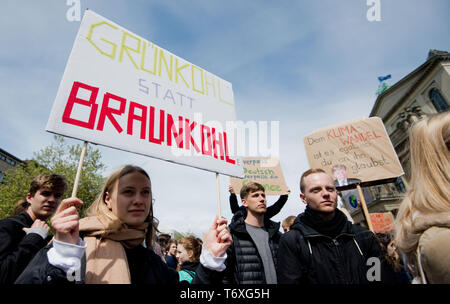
point(429, 186)
point(99, 206)
point(287, 222)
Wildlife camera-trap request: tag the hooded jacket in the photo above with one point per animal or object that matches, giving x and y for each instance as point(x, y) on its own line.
point(244, 264)
point(434, 246)
point(307, 257)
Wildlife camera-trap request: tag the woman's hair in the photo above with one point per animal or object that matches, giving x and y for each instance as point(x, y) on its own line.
point(53, 182)
point(99, 206)
point(429, 186)
point(193, 244)
point(287, 222)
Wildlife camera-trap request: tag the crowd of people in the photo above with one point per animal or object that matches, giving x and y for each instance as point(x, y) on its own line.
point(118, 241)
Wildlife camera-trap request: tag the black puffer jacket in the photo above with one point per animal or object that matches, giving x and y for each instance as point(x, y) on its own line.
point(308, 257)
point(244, 264)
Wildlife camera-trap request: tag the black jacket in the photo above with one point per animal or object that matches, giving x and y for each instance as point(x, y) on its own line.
point(16, 247)
point(146, 267)
point(244, 264)
point(308, 257)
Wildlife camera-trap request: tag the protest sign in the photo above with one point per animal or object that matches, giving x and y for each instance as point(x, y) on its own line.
point(382, 222)
point(356, 151)
point(263, 170)
point(125, 92)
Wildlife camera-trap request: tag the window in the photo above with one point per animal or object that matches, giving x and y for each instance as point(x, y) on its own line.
point(2, 157)
point(438, 101)
point(1, 177)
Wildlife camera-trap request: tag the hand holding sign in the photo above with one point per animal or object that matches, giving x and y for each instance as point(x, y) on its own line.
point(218, 238)
point(66, 220)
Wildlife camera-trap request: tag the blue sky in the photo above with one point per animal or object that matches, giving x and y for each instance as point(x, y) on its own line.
point(304, 63)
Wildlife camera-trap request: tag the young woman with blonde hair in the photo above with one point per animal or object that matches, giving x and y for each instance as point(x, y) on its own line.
point(112, 250)
point(423, 220)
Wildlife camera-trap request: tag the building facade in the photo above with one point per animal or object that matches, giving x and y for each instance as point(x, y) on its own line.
point(425, 91)
point(7, 161)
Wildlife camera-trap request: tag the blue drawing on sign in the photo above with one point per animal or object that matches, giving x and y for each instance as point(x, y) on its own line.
point(353, 201)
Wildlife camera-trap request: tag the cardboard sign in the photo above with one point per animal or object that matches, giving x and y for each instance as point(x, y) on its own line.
point(382, 222)
point(354, 152)
point(263, 170)
point(123, 91)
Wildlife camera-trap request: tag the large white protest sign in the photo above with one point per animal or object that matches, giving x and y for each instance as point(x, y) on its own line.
point(125, 92)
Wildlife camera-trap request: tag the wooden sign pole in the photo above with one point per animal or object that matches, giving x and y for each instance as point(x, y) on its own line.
point(80, 165)
point(364, 207)
point(218, 194)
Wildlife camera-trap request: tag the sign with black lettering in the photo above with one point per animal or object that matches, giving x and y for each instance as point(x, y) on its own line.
point(354, 152)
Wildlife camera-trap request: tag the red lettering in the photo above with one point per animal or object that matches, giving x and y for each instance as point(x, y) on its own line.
point(151, 137)
point(188, 138)
point(172, 130)
point(208, 138)
point(216, 142)
point(132, 116)
point(109, 112)
point(90, 103)
point(227, 158)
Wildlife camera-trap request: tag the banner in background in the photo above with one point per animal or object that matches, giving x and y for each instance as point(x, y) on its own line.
point(263, 170)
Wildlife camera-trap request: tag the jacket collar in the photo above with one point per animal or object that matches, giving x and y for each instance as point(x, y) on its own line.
point(308, 231)
point(237, 225)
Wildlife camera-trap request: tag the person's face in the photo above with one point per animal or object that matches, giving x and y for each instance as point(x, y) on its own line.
point(255, 201)
point(130, 199)
point(285, 229)
point(392, 250)
point(340, 174)
point(182, 254)
point(44, 203)
point(173, 249)
point(320, 194)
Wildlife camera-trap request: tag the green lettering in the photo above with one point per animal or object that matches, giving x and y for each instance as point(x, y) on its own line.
point(154, 58)
point(177, 72)
point(89, 38)
point(163, 58)
point(193, 67)
point(124, 48)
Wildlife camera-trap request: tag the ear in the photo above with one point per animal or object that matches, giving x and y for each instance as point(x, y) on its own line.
point(29, 197)
point(190, 253)
point(303, 198)
point(244, 202)
point(108, 201)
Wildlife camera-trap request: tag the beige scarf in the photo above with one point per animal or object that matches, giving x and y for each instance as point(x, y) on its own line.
point(106, 260)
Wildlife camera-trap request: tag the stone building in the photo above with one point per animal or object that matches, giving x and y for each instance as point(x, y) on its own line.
point(424, 91)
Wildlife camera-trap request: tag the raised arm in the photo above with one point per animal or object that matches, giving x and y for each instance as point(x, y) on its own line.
point(278, 205)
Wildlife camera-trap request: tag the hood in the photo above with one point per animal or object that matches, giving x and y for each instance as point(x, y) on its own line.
point(308, 231)
point(423, 222)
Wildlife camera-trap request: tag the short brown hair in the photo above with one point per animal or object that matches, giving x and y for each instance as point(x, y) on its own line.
point(250, 187)
point(305, 174)
point(54, 182)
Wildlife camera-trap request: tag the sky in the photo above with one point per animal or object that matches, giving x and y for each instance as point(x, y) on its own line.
point(306, 64)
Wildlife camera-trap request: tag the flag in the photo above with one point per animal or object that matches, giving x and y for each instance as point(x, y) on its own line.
point(383, 78)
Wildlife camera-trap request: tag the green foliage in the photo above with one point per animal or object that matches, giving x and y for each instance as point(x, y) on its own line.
point(59, 158)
